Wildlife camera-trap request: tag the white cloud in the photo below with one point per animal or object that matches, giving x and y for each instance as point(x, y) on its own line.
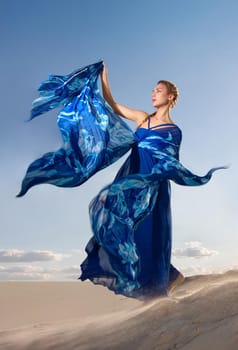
point(23, 272)
point(199, 270)
point(206, 270)
point(36, 272)
point(42, 265)
point(21, 269)
point(71, 269)
point(15, 255)
point(79, 253)
point(193, 250)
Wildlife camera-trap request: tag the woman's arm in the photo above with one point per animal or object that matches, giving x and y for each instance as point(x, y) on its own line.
point(128, 113)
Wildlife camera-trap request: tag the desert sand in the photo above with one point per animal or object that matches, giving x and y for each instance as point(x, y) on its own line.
point(201, 313)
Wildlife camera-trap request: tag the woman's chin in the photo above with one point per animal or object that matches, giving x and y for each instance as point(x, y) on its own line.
point(159, 105)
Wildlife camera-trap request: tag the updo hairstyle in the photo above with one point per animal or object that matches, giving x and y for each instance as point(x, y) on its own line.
point(172, 89)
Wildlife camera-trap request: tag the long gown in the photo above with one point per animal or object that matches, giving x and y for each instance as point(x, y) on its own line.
point(152, 236)
point(130, 250)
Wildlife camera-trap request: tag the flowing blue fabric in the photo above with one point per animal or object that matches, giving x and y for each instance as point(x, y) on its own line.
point(130, 250)
point(93, 135)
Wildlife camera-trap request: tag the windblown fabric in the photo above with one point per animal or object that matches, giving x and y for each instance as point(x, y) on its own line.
point(130, 250)
point(93, 135)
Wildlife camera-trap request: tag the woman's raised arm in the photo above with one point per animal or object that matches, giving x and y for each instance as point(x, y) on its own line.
point(132, 114)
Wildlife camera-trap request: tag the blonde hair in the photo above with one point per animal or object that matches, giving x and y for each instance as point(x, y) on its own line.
point(172, 89)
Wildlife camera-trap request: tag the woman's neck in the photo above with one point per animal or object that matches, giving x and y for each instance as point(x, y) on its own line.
point(162, 115)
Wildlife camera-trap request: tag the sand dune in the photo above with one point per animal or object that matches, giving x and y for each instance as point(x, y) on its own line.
point(200, 314)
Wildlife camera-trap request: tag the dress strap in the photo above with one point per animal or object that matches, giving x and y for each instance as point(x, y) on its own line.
point(158, 125)
point(149, 122)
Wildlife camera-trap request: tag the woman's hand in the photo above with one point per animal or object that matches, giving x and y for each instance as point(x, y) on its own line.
point(103, 68)
point(103, 73)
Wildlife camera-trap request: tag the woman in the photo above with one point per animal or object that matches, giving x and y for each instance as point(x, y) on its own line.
point(153, 235)
point(130, 250)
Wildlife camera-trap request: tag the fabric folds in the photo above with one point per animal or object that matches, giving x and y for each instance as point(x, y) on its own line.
point(130, 250)
point(93, 135)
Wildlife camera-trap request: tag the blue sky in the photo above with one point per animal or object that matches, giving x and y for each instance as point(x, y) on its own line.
point(190, 42)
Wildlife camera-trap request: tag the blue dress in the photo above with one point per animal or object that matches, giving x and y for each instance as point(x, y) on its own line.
point(154, 247)
point(130, 250)
point(152, 236)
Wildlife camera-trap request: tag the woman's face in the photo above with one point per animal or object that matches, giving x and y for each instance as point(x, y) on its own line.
point(160, 95)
